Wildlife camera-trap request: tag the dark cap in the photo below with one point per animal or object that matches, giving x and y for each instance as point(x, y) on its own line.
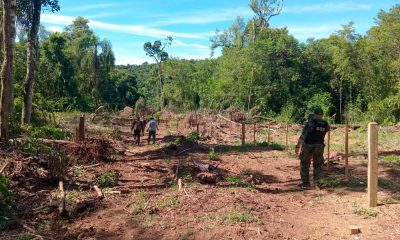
point(318, 110)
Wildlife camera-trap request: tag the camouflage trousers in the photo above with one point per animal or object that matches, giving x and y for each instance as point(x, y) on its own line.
point(316, 153)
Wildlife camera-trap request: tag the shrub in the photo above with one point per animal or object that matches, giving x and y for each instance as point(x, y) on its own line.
point(50, 132)
point(108, 179)
point(212, 155)
point(195, 136)
point(5, 202)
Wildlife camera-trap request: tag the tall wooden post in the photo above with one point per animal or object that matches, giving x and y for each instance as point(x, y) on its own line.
point(80, 131)
point(373, 164)
point(177, 125)
point(329, 149)
point(243, 133)
point(346, 151)
point(269, 132)
point(287, 137)
point(254, 133)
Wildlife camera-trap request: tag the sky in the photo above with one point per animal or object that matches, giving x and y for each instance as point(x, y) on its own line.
point(128, 24)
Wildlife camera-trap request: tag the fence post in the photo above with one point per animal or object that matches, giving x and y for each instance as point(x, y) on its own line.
point(254, 133)
point(243, 133)
point(346, 151)
point(287, 137)
point(329, 148)
point(269, 132)
point(373, 164)
point(80, 130)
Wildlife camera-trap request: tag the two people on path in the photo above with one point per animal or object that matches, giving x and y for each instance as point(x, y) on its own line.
point(312, 145)
point(138, 129)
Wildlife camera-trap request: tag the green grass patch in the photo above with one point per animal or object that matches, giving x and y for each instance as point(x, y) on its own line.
point(239, 182)
point(237, 217)
point(141, 204)
point(391, 160)
point(108, 180)
point(365, 212)
point(195, 136)
point(339, 182)
point(388, 184)
point(213, 155)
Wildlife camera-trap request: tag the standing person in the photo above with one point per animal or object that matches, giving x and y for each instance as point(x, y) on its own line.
point(136, 128)
point(153, 127)
point(312, 147)
point(144, 122)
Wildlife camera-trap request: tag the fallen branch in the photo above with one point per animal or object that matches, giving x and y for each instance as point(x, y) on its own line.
point(226, 119)
point(98, 191)
point(32, 231)
point(180, 184)
point(61, 207)
point(4, 167)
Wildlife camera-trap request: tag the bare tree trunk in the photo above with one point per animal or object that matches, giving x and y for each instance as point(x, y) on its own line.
point(31, 62)
point(161, 86)
point(9, 10)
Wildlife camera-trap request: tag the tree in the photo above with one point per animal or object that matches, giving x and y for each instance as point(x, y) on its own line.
point(264, 11)
point(7, 87)
point(159, 55)
point(28, 13)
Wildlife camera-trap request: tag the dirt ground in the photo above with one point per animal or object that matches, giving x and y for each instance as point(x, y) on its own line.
point(256, 197)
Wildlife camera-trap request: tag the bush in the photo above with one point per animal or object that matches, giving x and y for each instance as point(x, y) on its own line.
point(50, 132)
point(5, 202)
point(212, 155)
point(108, 180)
point(195, 136)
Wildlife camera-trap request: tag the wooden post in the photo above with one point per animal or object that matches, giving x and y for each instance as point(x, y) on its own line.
point(329, 149)
point(80, 130)
point(254, 133)
point(243, 133)
point(287, 137)
point(373, 164)
point(177, 125)
point(269, 132)
point(346, 151)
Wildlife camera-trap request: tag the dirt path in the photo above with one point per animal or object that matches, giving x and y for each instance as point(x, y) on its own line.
point(256, 198)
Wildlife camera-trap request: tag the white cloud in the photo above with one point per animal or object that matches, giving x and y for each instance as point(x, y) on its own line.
point(178, 43)
point(94, 6)
point(203, 17)
point(138, 30)
point(54, 28)
point(347, 6)
point(321, 31)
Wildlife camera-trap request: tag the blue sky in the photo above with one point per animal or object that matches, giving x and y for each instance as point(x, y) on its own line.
point(128, 24)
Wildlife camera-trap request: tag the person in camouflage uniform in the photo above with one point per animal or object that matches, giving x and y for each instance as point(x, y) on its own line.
point(312, 147)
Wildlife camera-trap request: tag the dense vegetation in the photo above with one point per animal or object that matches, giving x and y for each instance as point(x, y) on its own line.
point(262, 70)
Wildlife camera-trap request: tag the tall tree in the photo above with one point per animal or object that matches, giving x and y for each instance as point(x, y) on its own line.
point(264, 11)
point(9, 11)
point(29, 12)
point(158, 53)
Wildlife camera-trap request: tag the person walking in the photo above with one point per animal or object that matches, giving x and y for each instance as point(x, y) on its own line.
point(312, 144)
point(153, 127)
point(136, 129)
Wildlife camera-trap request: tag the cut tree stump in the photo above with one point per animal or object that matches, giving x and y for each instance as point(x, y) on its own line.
point(354, 230)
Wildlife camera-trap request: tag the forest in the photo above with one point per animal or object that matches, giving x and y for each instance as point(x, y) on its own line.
point(52, 81)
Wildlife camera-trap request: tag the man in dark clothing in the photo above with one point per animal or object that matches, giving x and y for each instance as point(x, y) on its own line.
point(136, 128)
point(312, 147)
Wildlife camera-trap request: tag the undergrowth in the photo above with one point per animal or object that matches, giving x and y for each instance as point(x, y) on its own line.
point(5, 202)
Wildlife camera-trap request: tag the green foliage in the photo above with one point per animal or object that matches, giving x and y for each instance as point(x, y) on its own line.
point(238, 217)
point(5, 202)
point(287, 113)
point(50, 132)
point(195, 136)
point(213, 155)
point(239, 182)
point(322, 100)
point(365, 212)
point(108, 180)
point(391, 160)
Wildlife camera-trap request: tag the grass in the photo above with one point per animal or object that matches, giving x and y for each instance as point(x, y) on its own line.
point(70, 197)
point(50, 132)
point(108, 180)
point(392, 199)
point(213, 155)
point(238, 182)
point(365, 212)
point(338, 182)
point(237, 217)
point(388, 184)
point(390, 160)
point(6, 204)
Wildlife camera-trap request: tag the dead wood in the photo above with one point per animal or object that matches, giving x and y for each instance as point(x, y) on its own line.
point(61, 207)
point(98, 191)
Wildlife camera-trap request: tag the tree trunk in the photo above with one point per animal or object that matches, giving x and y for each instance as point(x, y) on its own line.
point(31, 62)
point(161, 86)
point(9, 10)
